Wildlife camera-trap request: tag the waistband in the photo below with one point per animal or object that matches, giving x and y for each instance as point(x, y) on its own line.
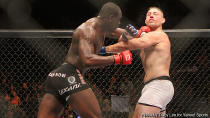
point(69, 64)
point(159, 78)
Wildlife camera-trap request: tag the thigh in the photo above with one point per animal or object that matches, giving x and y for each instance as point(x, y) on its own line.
point(50, 107)
point(145, 111)
point(86, 104)
point(163, 114)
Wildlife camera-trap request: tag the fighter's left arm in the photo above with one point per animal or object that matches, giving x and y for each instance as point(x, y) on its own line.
point(117, 33)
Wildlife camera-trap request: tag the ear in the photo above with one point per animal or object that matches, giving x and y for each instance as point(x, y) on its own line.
point(163, 21)
point(111, 18)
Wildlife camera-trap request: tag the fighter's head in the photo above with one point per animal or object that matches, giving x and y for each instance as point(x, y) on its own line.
point(154, 17)
point(111, 14)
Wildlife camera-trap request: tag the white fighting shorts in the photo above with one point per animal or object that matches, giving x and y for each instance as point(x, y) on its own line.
point(158, 92)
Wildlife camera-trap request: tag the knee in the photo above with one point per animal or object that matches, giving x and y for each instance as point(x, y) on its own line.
point(98, 115)
point(92, 115)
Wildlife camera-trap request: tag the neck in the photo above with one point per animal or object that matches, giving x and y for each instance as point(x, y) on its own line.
point(102, 24)
point(156, 28)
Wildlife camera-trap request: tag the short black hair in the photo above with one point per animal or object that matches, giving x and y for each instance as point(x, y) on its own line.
point(109, 9)
point(157, 7)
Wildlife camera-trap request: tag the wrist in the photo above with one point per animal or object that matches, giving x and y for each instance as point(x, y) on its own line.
point(117, 59)
point(103, 50)
point(124, 37)
point(139, 33)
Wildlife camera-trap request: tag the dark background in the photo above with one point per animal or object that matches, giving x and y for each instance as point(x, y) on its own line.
point(68, 14)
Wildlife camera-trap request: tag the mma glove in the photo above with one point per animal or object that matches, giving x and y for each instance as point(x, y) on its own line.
point(134, 32)
point(124, 58)
point(142, 31)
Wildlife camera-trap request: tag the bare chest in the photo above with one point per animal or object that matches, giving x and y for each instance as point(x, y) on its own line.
point(99, 42)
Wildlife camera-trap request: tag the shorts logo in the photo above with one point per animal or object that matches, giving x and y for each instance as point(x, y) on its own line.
point(57, 75)
point(70, 88)
point(71, 79)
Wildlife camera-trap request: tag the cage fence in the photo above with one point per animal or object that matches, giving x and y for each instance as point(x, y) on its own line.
point(26, 58)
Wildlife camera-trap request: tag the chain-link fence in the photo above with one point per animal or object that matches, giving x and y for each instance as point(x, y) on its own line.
point(26, 58)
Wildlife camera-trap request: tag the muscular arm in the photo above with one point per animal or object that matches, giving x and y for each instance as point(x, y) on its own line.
point(147, 40)
point(117, 33)
point(88, 56)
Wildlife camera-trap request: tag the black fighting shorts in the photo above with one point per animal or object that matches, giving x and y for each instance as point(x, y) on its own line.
point(64, 81)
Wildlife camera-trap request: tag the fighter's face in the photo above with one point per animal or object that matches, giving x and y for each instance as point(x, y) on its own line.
point(154, 17)
point(115, 21)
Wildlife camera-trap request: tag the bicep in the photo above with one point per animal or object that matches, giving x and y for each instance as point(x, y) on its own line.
point(85, 48)
point(117, 33)
point(135, 44)
point(145, 41)
point(88, 56)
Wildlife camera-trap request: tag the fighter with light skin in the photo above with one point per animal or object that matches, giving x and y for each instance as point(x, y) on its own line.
point(155, 55)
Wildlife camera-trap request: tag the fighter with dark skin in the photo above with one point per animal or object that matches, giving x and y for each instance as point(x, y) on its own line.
point(87, 41)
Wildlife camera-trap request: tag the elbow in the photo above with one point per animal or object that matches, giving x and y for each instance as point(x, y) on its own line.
point(125, 46)
point(143, 45)
point(88, 62)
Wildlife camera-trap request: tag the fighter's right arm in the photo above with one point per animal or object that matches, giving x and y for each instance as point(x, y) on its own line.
point(88, 56)
point(131, 33)
point(148, 40)
point(90, 59)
